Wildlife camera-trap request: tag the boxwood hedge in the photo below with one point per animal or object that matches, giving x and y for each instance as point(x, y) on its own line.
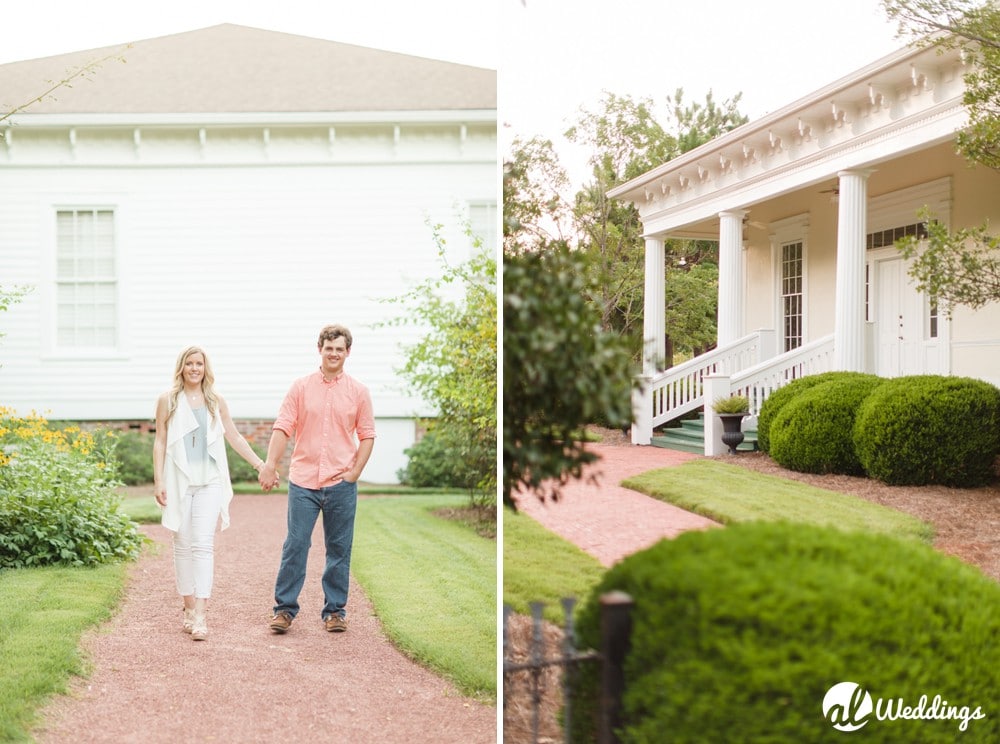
point(784, 395)
point(814, 431)
point(930, 429)
point(738, 634)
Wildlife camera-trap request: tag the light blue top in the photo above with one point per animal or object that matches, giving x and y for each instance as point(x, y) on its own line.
point(204, 469)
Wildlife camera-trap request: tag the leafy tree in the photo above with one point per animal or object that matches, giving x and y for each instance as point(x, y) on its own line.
point(561, 370)
point(975, 28)
point(454, 365)
point(535, 210)
point(962, 267)
point(625, 138)
point(573, 282)
point(691, 300)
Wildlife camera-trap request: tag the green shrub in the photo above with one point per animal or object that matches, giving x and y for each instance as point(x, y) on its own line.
point(781, 397)
point(739, 632)
point(240, 471)
point(930, 429)
point(437, 461)
point(814, 432)
point(134, 454)
point(58, 500)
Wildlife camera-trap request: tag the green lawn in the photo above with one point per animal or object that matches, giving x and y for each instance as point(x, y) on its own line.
point(729, 493)
point(540, 566)
point(433, 584)
point(47, 611)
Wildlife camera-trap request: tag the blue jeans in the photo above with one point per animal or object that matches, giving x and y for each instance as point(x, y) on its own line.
point(338, 504)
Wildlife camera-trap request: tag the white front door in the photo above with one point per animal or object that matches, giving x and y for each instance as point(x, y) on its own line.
point(908, 331)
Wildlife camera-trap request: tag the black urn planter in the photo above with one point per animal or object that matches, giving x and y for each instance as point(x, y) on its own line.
point(732, 430)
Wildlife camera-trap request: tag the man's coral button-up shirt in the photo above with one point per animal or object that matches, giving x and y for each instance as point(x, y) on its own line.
point(326, 418)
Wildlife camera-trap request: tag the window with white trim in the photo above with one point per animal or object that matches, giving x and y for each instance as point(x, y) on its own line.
point(791, 294)
point(789, 249)
point(86, 279)
point(483, 223)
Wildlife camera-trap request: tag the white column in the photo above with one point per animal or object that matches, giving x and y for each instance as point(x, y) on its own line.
point(849, 318)
point(654, 308)
point(642, 411)
point(730, 326)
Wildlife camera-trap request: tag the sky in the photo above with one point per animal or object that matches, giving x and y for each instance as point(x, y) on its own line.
point(553, 56)
point(560, 55)
point(449, 30)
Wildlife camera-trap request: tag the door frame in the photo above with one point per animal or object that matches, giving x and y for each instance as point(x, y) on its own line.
point(932, 354)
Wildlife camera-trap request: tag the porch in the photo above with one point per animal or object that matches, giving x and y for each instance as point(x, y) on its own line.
point(749, 366)
point(805, 205)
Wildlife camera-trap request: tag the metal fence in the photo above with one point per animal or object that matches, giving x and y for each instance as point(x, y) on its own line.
point(616, 624)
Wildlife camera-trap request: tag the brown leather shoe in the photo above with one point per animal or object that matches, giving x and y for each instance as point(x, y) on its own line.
point(335, 624)
point(281, 622)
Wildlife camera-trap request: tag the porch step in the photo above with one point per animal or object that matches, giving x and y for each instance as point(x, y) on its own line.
point(690, 437)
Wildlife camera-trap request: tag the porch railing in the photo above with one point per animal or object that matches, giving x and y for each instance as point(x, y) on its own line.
point(759, 381)
point(748, 367)
point(679, 390)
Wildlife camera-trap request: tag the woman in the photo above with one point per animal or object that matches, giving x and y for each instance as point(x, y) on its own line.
point(191, 477)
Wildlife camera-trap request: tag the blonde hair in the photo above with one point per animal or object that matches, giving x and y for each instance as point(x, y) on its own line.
point(207, 382)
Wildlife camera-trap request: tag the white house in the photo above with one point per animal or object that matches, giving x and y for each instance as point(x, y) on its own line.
point(805, 204)
point(239, 189)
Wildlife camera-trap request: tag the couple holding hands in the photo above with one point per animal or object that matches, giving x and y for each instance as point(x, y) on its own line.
point(329, 416)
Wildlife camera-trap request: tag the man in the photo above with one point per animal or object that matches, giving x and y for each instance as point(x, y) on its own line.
point(329, 414)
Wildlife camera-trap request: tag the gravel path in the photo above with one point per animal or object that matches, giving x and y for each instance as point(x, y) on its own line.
point(152, 683)
point(605, 520)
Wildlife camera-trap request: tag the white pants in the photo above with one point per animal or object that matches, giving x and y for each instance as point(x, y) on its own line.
point(194, 543)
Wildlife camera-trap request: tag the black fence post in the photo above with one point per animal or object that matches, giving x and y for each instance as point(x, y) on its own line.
point(616, 632)
point(569, 669)
point(507, 611)
point(537, 665)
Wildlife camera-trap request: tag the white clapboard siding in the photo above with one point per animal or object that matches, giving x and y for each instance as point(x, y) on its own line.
point(239, 227)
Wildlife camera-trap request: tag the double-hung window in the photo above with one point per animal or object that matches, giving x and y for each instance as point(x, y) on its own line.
point(791, 294)
point(789, 244)
point(483, 224)
point(86, 280)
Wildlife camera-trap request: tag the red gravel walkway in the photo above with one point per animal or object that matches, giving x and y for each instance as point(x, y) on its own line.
point(151, 683)
point(606, 520)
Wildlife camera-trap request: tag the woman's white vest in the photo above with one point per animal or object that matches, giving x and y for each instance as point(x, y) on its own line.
point(177, 474)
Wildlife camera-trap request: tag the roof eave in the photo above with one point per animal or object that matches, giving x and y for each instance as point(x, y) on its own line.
point(770, 121)
point(268, 118)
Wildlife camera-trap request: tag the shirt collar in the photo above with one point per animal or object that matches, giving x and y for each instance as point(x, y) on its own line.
point(335, 379)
